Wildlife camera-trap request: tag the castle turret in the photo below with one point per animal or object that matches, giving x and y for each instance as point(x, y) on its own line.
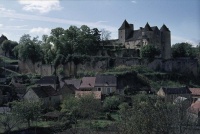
point(147, 32)
point(124, 31)
point(165, 42)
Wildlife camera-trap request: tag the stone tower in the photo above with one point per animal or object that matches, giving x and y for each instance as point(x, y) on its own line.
point(165, 42)
point(124, 31)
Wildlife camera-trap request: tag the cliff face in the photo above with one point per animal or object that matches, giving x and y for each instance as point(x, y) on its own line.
point(185, 66)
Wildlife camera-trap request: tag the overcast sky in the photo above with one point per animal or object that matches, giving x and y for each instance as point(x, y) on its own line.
point(38, 17)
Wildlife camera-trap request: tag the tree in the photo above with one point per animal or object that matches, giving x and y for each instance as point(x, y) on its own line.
point(25, 110)
point(48, 50)
point(105, 35)
point(8, 46)
point(150, 114)
point(8, 122)
point(111, 103)
point(183, 49)
point(29, 49)
point(149, 51)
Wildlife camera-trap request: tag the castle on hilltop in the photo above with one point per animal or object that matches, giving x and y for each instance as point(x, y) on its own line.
point(135, 39)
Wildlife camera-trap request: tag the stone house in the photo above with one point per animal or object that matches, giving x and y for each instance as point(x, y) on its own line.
point(195, 92)
point(45, 94)
point(194, 112)
point(87, 84)
point(49, 81)
point(75, 82)
point(20, 89)
point(67, 89)
point(106, 84)
point(170, 94)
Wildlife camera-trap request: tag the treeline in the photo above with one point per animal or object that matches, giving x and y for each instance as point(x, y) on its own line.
point(62, 44)
point(58, 45)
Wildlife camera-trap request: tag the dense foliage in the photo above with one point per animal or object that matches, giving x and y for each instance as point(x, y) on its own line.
point(7, 46)
point(149, 51)
point(29, 49)
point(27, 111)
point(183, 49)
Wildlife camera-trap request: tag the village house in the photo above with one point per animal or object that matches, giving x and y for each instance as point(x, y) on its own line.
point(170, 94)
point(193, 112)
point(67, 89)
point(20, 89)
point(195, 92)
point(46, 94)
point(49, 81)
point(106, 84)
point(75, 82)
point(87, 84)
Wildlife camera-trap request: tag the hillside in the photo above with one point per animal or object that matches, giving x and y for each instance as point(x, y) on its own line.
point(140, 78)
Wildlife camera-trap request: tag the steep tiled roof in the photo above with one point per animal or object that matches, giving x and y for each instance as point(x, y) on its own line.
point(75, 82)
point(44, 91)
point(67, 88)
point(97, 94)
point(106, 80)
point(124, 25)
point(164, 28)
point(137, 34)
point(48, 80)
point(147, 27)
point(87, 82)
point(178, 90)
point(195, 91)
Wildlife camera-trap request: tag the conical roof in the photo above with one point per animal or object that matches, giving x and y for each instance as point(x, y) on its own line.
point(147, 27)
point(164, 28)
point(124, 25)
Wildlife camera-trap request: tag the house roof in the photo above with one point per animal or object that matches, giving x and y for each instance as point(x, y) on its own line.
point(44, 91)
point(97, 94)
point(178, 90)
point(164, 28)
point(124, 25)
point(19, 88)
point(65, 90)
point(48, 80)
point(195, 91)
point(106, 80)
point(87, 82)
point(75, 82)
point(194, 108)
